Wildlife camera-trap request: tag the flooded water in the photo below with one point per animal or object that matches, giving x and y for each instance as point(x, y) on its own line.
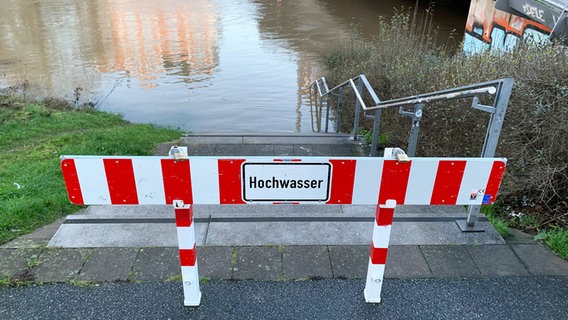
point(197, 65)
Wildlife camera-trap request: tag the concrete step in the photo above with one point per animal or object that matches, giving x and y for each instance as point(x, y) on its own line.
point(143, 226)
point(244, 225)
point(252, 138)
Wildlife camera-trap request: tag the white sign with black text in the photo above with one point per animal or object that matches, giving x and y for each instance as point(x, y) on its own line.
point(286, 181)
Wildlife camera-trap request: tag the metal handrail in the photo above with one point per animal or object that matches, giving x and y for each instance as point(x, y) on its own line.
point(501, 89)
point(434, 98)
point(358, 89)
point(470, 91)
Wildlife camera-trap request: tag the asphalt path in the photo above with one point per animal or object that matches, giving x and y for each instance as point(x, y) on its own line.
point(479, 298)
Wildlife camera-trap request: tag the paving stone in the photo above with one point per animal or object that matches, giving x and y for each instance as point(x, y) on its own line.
point(59, 265)
point(264, 150)
point(214, 262)
point(45, 232)
point(341, 150)
point(259, 263)
point(519, 237)
point(156, 264)
point(225, 149)
point(108, 264)
point(449, 261)
point(206, 150)
point(360, 150)
point(496, 260)
point(26, 243)
point(192, 149)
point(303, 150)
point(283, 150)
point(302, 262)
point(14, 262)
point(349, 262)
point(323, 150)
point(539, 260)
point(245, 150)
point(406, 262)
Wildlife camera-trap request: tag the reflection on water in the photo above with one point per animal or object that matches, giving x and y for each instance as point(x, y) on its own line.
point(200, 65)
point(150, 42)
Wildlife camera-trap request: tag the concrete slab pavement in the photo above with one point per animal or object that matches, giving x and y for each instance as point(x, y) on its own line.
point(30, 260)
point(221, 254)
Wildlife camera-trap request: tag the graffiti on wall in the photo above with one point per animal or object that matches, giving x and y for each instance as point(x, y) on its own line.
point(488, 28)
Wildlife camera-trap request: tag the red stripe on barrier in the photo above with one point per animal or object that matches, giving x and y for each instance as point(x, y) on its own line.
point(177, 180)
point(383, 216)
point(71, 179)
point(378, 255)
point(120, 180)
point(342, 181)
point(187, 257)
point(394, 181)
point(448, 181)
point(230, 181)
point(184, 217)
point(495, 178)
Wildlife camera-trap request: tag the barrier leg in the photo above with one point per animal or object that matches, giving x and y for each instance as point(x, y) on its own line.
point(379, 250)
point(187, 253)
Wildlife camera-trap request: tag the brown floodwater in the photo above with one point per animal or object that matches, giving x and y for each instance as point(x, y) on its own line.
point(198, 65)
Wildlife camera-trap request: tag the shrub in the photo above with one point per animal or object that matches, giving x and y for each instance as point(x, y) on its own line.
point(405, 61)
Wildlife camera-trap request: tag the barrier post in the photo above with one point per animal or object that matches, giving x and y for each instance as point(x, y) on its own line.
point(379, 249)
point(187, 253)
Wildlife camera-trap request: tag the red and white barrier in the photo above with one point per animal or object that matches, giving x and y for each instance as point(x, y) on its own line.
point(207, 180)
point(379, 250)
point(224, 180)
point(187, 253)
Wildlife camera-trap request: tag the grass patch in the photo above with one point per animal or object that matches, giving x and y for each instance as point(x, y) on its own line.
point(32, 137)
point(176, 278)
point(555, 239)
point(500, 224)
point(83, 283)
point(5, 282)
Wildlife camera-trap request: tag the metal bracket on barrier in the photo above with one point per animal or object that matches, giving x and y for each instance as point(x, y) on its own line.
point(396, 153)
point(179, 153)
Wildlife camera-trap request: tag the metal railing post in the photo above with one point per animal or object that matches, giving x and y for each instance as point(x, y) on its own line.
point(490, 144)
point(338, 111)
point(497, 117)
point(327, 113)
point(357, 111)
point(376, 130)
point(414, 130)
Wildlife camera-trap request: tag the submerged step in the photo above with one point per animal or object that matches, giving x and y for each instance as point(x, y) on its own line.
point(329, 138)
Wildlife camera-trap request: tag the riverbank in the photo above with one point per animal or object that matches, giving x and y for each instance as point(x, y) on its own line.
point(32, 137)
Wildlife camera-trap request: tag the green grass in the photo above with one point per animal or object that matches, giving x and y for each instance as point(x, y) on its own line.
point(501, 225)
point(33, 136)
point(555, 239)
